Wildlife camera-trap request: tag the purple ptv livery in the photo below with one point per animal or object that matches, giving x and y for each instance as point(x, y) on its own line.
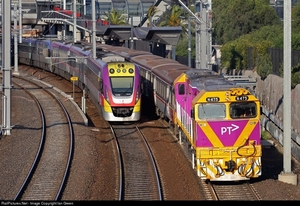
point(229, 133)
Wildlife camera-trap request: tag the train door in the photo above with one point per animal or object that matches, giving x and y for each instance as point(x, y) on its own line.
point(188, 107)
point(180, 97)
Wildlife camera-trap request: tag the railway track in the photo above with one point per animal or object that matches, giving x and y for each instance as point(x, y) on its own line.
point(47, 176)
point(139, 179)
point(230, 191)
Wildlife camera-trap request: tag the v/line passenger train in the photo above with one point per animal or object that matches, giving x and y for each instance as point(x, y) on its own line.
point(111, 82)
point(218, 122)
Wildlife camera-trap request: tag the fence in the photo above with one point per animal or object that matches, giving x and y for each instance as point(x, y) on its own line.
point(276, 58)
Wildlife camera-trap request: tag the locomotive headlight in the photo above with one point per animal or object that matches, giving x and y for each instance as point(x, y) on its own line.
point(130, 70)
point(118, 70)
point(124, 70)
point(232, 92)
point(239, 92)
point(111, 71)
point(245, 92)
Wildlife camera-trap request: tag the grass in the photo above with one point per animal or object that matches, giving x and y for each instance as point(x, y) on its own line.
point(265, 135)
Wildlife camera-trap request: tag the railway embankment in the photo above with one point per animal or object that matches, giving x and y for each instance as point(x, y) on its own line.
point(270, 93)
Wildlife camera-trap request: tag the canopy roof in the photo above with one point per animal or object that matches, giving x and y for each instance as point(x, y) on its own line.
point(130, 7)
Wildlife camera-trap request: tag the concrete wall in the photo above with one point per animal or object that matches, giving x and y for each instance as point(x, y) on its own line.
point(270, 93)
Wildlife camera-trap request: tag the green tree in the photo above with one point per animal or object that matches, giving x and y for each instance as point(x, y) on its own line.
point(115, 17)
point(182, 47)
point(234, 18)
point(151, 13)
point(296, 18)
point(264, 65)
point(295, 76)
point(174, 18)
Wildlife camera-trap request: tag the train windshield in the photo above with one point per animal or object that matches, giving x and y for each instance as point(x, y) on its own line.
point(212, 111)
point(122, 86)
point(242, 110)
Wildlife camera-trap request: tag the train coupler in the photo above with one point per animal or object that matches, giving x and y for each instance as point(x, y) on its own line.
point(230, 165)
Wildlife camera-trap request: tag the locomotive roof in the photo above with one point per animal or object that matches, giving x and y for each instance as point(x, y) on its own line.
point(207, 79)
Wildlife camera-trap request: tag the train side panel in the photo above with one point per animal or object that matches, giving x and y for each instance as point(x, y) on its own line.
point(182, 115)
point(61, 52)
point(34, 52)
point(24, 52)
point(81, 64)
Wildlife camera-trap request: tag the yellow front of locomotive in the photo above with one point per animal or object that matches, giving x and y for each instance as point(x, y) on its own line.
point(227, 135)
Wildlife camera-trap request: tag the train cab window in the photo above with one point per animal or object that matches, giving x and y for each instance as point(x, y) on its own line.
point(211, 111)
point(122, 86)
point(243, 110)
point(181, 89)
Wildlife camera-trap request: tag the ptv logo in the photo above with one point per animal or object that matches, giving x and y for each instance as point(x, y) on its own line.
point(229, 129)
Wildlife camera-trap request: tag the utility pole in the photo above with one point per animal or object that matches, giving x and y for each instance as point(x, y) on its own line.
point(74, 21)
point(203, 32)
point(208, 30)
point(65, 24)
point(16, 69)
point(131, 32)
point(286, 175)
point(189, 41)
point(20, 21)
point(6, 67)
point(94, 28)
